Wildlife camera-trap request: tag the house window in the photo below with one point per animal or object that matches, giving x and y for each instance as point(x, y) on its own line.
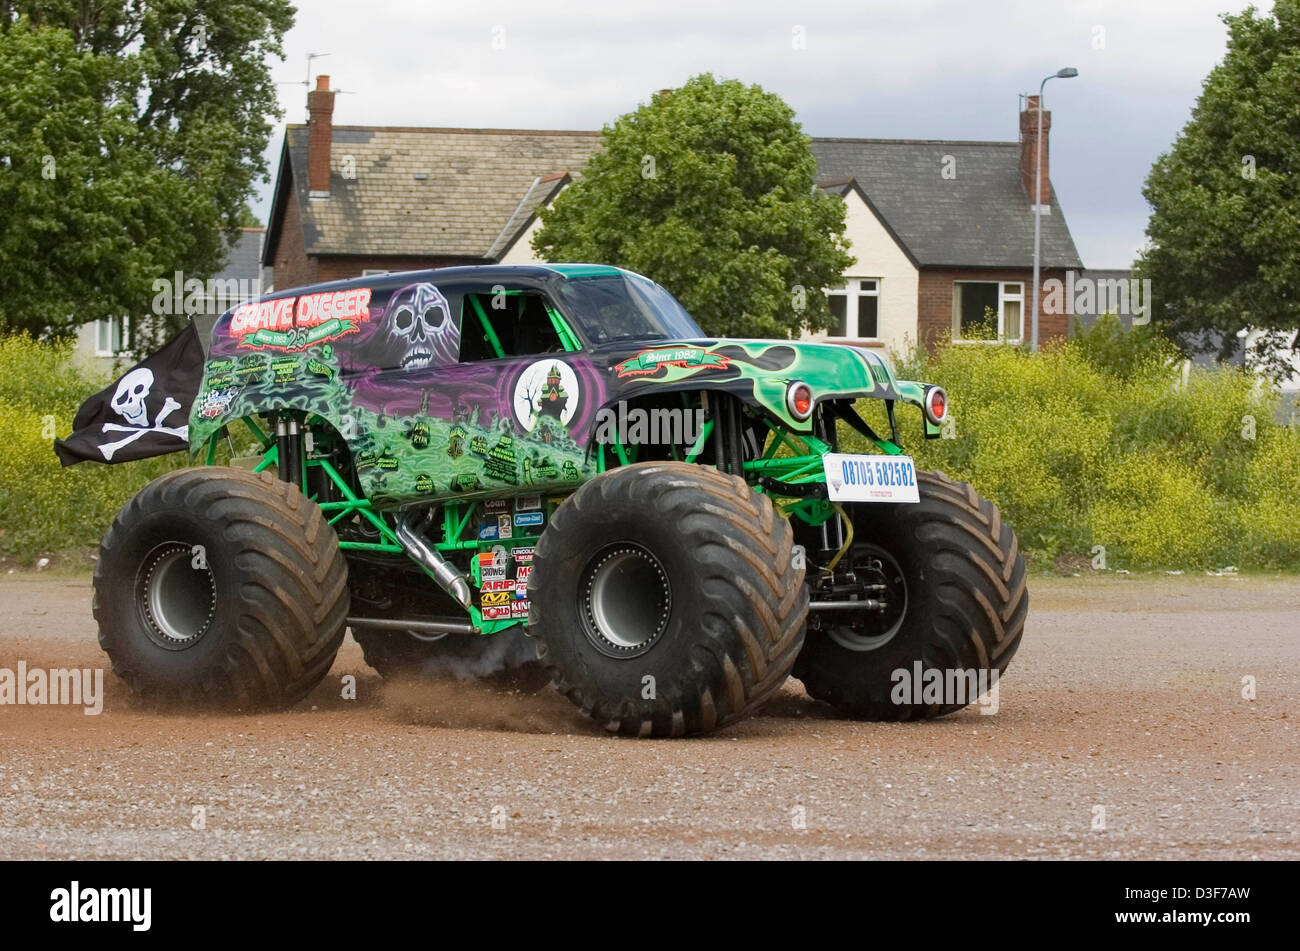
point(855, 305)
point(987, 311)
point(111, 336)
point(373, 272)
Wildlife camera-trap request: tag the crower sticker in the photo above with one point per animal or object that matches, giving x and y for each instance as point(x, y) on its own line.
point(649, 362)
point(547, 388)
point(289, 323)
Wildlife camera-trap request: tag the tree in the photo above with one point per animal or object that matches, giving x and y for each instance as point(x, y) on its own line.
point(131, 133)
point(709, 190)
point(1224, 250)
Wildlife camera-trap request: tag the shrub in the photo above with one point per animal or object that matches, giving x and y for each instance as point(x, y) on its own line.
point(1101, 442)
point(43, 506)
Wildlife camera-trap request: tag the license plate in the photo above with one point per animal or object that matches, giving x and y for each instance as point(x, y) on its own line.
point(856, 478)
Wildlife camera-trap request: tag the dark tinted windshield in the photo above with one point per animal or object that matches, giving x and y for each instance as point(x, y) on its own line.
point(626, 307)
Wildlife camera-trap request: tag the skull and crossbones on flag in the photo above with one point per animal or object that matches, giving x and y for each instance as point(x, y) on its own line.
point(144, 413)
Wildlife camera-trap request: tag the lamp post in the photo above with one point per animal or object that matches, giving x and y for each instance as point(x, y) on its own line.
point(1068, 72)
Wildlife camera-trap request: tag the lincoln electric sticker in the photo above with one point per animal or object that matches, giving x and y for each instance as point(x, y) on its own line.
point(292, 324)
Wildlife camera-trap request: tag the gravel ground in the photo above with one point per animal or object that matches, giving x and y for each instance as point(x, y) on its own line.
point(1126, 694)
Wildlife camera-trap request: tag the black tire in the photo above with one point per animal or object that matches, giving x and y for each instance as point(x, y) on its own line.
point(254, 622)
point(964, 602)
point(506, 659)
point(710, 603)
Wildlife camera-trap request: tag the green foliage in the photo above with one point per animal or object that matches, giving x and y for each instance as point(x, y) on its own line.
point(1083, 445)
point(131, 132)
point(709, 190)
point(1225, 225)
point(44, 507)
point(1124, 352)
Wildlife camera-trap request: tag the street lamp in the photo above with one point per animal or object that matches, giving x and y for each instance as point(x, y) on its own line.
point(1069, 72)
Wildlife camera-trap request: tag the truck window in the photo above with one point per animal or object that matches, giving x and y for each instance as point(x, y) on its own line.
point(506, 323)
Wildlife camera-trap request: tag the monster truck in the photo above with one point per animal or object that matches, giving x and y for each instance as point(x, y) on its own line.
point(451, 457)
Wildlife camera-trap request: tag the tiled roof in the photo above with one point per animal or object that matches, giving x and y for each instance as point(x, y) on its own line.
point(472, 192)
point(978, 218)
point(447, 192)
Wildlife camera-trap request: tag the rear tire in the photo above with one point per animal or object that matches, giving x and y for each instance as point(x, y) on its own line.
point(666, 599)
point(221, 585)
point(956, 589)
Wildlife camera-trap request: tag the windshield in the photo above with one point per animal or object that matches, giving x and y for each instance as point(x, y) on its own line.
point(610, 308)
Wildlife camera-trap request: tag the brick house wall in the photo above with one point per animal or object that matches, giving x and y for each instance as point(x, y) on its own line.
point(934, 300)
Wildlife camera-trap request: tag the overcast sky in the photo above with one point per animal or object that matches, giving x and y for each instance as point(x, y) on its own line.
point(923, 69)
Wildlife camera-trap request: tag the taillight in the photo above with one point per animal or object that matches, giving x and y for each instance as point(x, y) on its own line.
point(936, 404)
point(799, 398)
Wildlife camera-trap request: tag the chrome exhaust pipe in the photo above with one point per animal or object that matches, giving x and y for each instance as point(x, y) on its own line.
point(418, 547)
point(439, 628)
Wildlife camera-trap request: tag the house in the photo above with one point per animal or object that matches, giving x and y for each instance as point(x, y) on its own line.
point(102, 344)
point(941, 231)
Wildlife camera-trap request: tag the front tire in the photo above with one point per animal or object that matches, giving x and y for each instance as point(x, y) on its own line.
point(666, 599)
point(952, 579)
point(219, 585)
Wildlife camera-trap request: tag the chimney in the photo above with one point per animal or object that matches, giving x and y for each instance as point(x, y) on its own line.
point(1029, 120)
point(320, 130)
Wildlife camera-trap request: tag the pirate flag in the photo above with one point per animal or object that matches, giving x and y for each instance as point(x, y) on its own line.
point(145, 413)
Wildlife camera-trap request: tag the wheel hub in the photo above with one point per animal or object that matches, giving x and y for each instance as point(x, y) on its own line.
point(176, 595)
point(875, 575)
point(626, 600)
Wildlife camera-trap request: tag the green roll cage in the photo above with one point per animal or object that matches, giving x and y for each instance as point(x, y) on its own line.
point(787, 459)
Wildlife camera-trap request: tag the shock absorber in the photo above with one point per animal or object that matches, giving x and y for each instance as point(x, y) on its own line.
point(728, 431)
point(288, 443)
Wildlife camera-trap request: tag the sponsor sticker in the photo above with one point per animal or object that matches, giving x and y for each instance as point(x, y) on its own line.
point(867, 478)
point(527, 503)
point(495, 598)
point(488, 532)
point(500, 612)
point(503, 527)
point(528, 519)
point(519, 609)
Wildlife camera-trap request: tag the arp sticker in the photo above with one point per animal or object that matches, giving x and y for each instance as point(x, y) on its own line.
point(499, 584)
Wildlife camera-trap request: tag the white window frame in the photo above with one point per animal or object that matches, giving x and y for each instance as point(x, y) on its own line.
point(1004, 297)
point(373, 272)
point(111, 327)
point(853, 289)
